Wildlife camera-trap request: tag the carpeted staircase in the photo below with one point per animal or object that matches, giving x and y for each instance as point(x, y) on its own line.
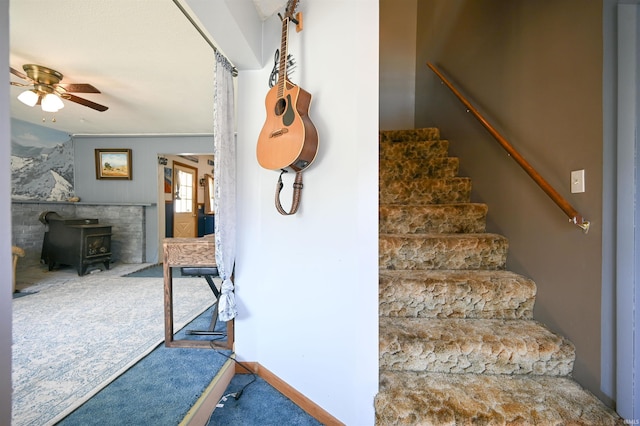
point(458, 343)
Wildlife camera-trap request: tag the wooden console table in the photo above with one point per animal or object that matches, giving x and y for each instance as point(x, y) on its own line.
point(188, 252)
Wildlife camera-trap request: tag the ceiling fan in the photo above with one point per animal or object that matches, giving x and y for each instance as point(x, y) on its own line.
point(47, 89)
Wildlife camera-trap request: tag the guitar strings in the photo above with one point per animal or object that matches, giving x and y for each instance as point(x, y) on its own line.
point(291, 65)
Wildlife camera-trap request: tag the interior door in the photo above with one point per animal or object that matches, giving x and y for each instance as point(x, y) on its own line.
point(185, 213)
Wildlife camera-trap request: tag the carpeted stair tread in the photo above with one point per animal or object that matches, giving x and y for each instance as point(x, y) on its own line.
point(456, 294)
point(408, 398)
point(432, 218)
point(427, 191)
point(409, 169)
point(422, 134)
point(478, 346)
point(442, 251)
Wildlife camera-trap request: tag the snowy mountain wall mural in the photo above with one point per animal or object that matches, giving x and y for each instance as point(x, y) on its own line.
point(41, 163)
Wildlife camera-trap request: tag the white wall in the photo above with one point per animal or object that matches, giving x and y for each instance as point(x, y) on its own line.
point(307, 285)
point(5, 223)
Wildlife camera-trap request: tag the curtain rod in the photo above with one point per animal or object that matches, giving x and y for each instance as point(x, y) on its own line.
point(219, 56)
point(138, 135)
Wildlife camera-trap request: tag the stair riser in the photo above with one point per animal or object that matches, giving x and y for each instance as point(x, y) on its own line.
point(393, 153)
point(473, 346)
point(427, 191)
point(425, 134)
point(445, 218)
point(490, 297)
point(486, 251)
point(441, 167)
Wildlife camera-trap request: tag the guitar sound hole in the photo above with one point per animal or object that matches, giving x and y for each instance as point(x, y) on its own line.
point(281, 106)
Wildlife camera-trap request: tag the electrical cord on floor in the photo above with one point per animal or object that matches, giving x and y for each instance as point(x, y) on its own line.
point(238, 394)
point(235, 395)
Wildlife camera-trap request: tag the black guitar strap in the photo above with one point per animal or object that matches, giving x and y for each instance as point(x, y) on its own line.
point(297, 193)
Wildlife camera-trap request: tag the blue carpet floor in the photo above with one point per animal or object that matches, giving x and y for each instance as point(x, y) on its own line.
point(259, 404)
point(162, 387)
point(158, 390)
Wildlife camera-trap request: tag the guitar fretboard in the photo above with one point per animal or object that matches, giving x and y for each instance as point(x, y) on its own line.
point(282, 66)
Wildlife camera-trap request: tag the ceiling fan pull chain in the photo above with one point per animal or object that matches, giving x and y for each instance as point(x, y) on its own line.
point(297, 193)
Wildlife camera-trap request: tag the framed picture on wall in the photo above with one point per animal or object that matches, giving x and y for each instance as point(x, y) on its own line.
point(113, 163)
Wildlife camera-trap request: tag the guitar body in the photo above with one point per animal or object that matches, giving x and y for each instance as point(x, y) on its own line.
point(288, 138)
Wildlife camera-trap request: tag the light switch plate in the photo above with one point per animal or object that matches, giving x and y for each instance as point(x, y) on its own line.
point(577, 181)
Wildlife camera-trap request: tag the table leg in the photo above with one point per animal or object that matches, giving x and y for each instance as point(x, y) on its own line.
point(168, 305)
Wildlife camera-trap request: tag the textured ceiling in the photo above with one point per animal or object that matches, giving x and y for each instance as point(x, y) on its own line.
point(267, 8)
point(154, 69)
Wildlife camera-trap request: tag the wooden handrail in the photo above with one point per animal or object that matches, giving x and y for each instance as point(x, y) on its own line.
point(574, 217)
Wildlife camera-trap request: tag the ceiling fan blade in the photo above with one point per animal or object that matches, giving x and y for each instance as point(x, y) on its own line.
point(78, 88)
point(18, 73)
point(85, 102)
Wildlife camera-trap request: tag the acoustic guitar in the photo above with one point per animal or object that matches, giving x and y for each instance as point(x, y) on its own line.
point(288, 139)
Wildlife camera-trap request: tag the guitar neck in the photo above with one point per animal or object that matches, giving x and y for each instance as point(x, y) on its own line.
point(282, 66)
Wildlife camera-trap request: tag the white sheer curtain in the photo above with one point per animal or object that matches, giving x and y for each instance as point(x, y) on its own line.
point(224, 183)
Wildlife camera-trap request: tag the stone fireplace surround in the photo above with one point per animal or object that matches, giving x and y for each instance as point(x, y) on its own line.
point(128, 242)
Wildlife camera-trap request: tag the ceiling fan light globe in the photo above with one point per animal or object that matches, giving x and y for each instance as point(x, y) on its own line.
point(51, 103)
point(28, 97)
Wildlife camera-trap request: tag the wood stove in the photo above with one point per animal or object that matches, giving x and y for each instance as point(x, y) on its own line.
point(75, 242)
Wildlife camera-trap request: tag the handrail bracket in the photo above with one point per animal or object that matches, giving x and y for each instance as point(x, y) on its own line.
point(583, 224)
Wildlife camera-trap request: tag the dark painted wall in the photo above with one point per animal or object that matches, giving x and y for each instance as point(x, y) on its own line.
point(535, 69)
